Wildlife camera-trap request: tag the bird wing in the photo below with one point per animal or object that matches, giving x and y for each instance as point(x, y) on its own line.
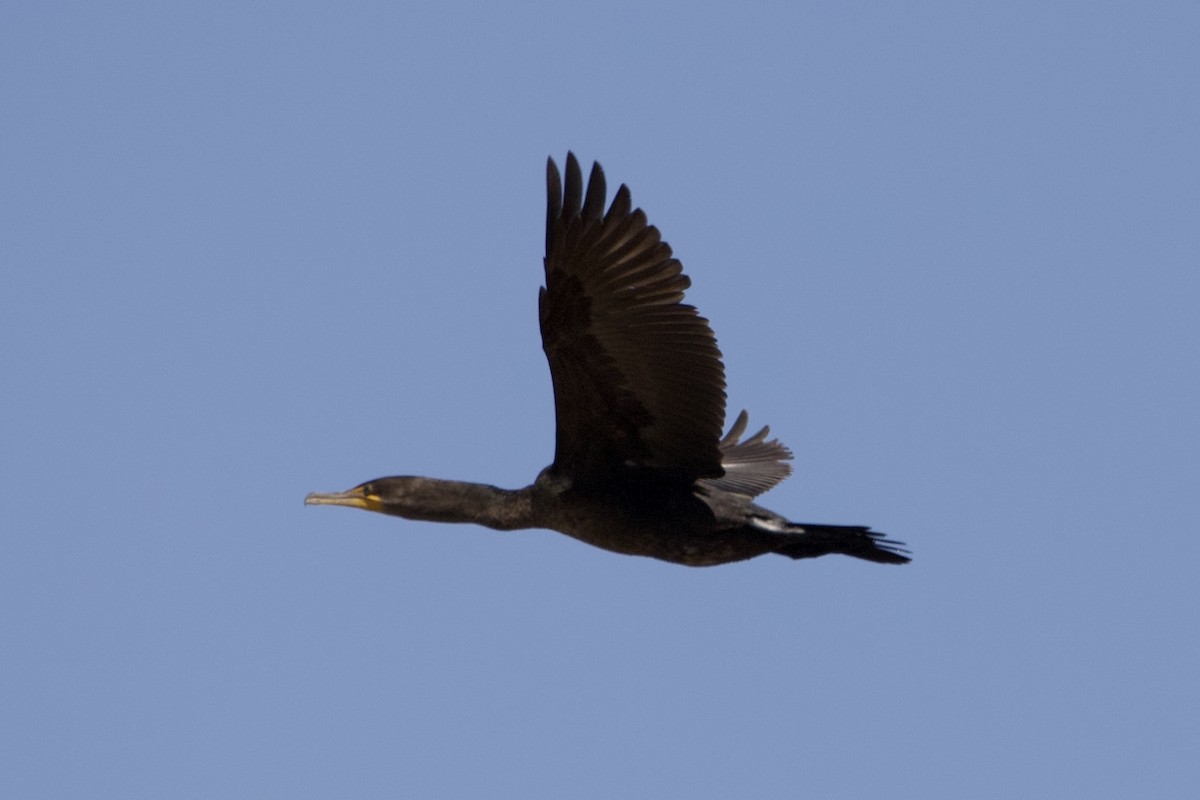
point(638, 379)
point(752, 466)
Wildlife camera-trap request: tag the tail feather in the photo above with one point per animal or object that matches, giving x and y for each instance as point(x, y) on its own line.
point(810, 541)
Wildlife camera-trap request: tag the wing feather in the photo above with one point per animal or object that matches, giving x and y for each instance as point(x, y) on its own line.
point(752, 466)
point(638, 379)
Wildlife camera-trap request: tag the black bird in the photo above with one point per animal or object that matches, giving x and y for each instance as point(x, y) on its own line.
point(640, 466)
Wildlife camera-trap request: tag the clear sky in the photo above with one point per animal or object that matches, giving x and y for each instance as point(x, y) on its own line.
point(952, 255)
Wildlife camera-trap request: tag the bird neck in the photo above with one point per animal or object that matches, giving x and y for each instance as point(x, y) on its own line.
point(436, 500)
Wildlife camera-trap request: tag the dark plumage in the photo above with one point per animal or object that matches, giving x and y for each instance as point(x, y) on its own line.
point(640, 466)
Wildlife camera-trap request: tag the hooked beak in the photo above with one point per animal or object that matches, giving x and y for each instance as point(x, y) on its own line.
point(354, 498)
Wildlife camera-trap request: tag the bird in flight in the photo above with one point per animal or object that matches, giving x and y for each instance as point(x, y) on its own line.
point(640, 466)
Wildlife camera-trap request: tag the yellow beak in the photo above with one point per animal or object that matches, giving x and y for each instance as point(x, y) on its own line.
point(354, 498)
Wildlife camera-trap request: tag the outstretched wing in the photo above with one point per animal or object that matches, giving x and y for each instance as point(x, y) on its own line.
point(638, 379)
point(752, 466)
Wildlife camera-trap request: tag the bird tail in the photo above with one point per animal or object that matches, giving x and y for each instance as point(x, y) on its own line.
point(809, 541)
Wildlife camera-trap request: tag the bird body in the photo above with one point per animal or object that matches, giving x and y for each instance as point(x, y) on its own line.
point(640, 465)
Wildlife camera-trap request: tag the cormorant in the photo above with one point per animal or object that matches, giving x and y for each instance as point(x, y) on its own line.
point(640, 466)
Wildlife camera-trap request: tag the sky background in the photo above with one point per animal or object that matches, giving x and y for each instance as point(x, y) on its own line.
point(250, 250)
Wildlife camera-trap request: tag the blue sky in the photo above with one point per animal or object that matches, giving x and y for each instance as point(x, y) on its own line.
point(249, 251)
